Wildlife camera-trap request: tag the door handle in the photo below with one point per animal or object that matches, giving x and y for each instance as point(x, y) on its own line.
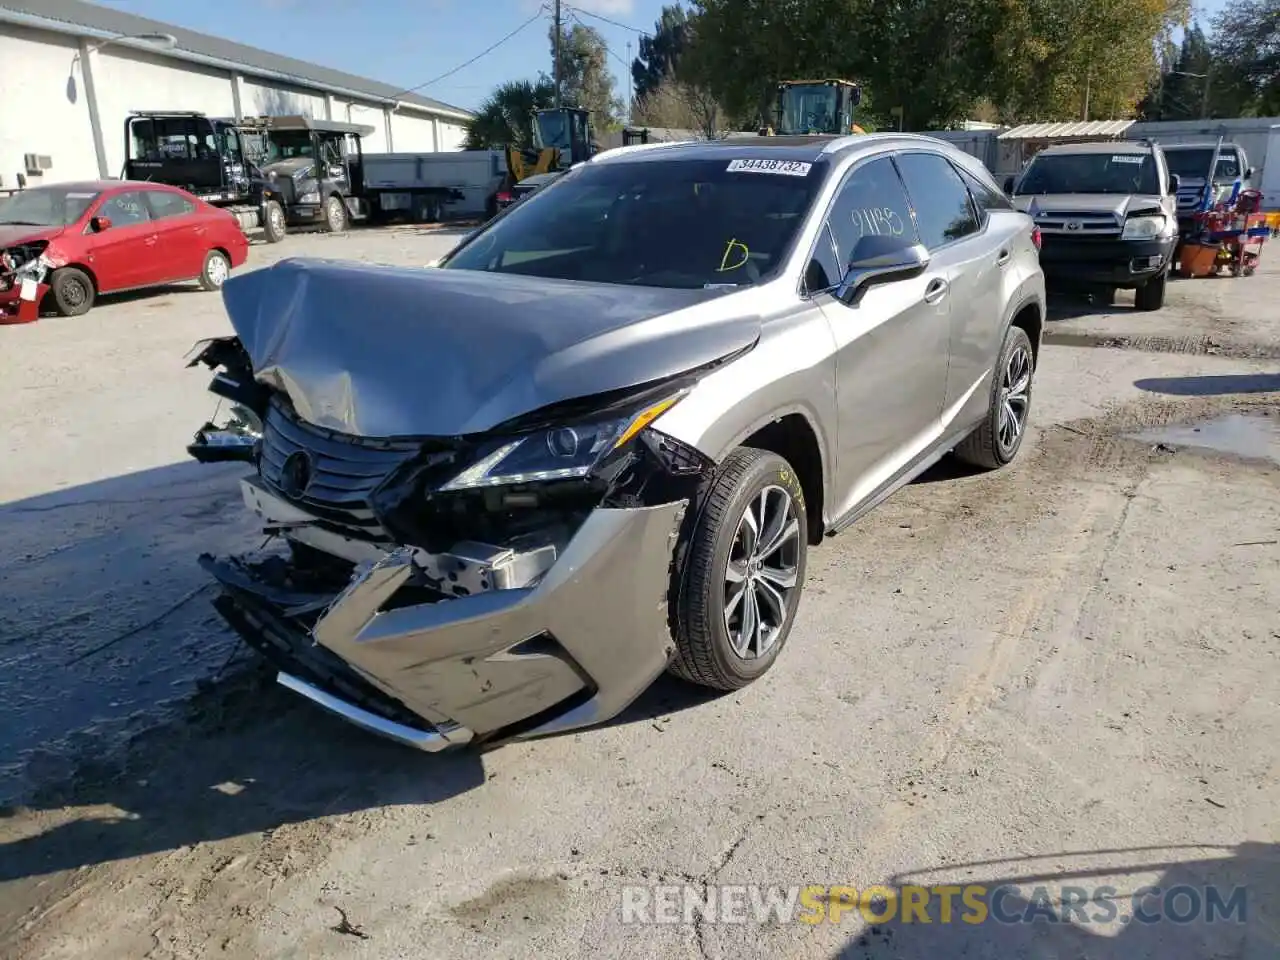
point(1002, 258)
point(936, 291)
point(151, 240)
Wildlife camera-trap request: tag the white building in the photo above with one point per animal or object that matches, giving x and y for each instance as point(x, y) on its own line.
point(71, 73)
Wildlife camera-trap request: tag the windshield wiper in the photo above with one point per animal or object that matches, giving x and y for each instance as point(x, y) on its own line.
point(24, 223)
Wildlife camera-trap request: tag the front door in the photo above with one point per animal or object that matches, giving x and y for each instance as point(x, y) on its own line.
point(124, 255)
point(891, 347)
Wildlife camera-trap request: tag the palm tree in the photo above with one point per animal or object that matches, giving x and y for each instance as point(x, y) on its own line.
point(506, 116)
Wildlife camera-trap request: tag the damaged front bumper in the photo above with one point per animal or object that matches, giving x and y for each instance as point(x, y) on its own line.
point(432, 670)
point(23, 273)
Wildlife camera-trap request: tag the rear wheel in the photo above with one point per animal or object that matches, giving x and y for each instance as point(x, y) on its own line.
point(72, 291)
point(216, 270)
point(273, 222)
point(335, 214)
point(1150, 295)
point(743, 572)
point(999, 437)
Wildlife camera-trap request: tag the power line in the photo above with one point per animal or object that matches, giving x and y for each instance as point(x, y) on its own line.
point(483, 53)
point(603, 19)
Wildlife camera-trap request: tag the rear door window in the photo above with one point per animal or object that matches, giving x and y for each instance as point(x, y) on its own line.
point(165, 204)
point(944, 211)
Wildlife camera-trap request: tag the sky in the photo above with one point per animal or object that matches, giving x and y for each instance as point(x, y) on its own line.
point(410, 42)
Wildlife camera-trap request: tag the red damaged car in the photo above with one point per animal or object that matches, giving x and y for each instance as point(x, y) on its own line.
point(62, 245)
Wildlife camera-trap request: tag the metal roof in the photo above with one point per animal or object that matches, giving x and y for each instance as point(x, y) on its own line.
point(89, 19)
point(1074, 128)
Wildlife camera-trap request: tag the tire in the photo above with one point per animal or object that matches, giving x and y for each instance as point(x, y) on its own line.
point(273, 221)
point(1150, 296)
point(217, 267)
point(706, 652)
point(72, 291)
point(1105, 297)
point(993, 445)
point(335, 214)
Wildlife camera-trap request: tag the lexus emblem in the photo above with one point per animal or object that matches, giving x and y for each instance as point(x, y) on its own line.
point(1073, 225)
point(295, 475)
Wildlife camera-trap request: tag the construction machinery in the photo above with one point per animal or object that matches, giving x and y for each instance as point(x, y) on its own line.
point(815, 107)
point(562, 137)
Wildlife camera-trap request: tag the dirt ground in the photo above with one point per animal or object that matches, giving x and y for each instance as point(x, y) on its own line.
point(1063, 673)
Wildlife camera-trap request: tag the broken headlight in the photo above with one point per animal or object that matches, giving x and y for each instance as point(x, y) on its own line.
point(238, 438)
point(556, 453)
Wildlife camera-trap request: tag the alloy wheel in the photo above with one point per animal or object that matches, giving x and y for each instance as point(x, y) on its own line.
point(1015, 398)
point(762, 572)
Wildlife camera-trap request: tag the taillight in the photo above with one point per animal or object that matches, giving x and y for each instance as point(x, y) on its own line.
point(1035, 236)
point(505, 197)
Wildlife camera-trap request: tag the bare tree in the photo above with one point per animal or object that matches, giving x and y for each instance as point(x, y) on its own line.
point(677, 105)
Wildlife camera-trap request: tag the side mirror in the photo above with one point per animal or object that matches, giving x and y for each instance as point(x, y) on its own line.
point(1248, 174)
point(1008, 186)
point(98, 224)
point(1175, 182)
point(880, 259)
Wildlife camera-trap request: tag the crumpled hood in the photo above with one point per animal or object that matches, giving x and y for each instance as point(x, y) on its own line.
point(379, 351)
point(12, 234)
point(1112, 203)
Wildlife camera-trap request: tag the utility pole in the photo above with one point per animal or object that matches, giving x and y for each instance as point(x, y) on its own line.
point(555, 52)
point(1204, 100)
point(630, 95)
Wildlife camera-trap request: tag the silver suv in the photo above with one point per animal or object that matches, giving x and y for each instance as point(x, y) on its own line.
point(597, 440)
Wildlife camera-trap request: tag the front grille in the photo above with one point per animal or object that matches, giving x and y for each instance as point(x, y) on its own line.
point(344, 470)
point(1079, 224)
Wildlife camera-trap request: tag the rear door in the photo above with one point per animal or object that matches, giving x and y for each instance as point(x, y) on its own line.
point(179, 252)
point(891, 346)
point(124, 255)
point(971, 260)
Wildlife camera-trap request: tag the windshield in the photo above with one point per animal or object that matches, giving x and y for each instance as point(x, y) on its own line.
point(46, 206)
point(552, 127)
point(1120, 173)
point(1194, 164)
point(288, 144)
point(680, 224)
point(809, 108)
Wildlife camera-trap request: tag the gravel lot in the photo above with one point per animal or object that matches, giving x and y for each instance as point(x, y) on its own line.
point(1064, 673)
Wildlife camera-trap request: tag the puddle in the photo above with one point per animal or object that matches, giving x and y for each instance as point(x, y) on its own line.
point(1253, 438)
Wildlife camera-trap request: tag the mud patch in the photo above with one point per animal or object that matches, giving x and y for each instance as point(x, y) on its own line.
point(1203, 345)
point(516, 899)
point(1235, 434)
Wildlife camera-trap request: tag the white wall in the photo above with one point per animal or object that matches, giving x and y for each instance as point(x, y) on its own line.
point(452, 135)
point(42, 114)
point(412, 132)
point(38, 116)
point(368, 114)
point(127, 80)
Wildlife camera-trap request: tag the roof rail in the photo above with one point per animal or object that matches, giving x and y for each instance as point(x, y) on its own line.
point(853, 139)
point(604, 155)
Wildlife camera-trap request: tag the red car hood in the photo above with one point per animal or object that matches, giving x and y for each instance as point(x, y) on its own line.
point(12, 234)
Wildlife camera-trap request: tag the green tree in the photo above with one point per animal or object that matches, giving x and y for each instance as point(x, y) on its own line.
point(1246, 46)
point(585, 80)
point(506, 115)
point(660, 52)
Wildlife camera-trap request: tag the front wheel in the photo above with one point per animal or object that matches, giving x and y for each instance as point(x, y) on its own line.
point(1150, 295)
point(743, 572)
point(335, 215)
point(999, 437)
point(72, 291)
point(273, 222)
